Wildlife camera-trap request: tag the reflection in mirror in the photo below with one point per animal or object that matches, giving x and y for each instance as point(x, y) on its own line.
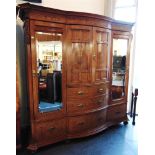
point(49, 65)
point(118, 68)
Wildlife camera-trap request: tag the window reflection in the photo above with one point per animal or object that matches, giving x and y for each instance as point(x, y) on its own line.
point(119, 66)
point(49, 66)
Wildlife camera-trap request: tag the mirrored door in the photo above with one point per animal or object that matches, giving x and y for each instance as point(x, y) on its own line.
point(49, 70)
point(119, 68)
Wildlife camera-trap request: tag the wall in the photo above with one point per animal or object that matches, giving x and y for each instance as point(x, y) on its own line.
point(109, 7)
point(144, 76)
point(91, 6)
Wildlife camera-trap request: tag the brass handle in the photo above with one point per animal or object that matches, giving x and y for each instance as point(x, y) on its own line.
point(51, 128)
point(100, 90)
point(80, 105)
point(80, 93)
point(94, 56)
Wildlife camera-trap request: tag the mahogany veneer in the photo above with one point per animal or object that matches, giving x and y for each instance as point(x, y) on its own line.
point(88, 107)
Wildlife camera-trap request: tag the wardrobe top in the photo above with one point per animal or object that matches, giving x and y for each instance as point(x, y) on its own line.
point(25, 8)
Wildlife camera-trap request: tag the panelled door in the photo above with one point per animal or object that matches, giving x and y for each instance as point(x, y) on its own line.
point(79, 53)
point(101, 55)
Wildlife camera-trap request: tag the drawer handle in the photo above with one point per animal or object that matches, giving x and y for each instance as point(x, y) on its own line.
point(51, 128)
point(100, 90)
point(81, 123)
point(80, 105)
point(80, 93)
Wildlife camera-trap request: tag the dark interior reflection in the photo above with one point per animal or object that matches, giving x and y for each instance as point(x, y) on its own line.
point(49, 64)
point(119, 68)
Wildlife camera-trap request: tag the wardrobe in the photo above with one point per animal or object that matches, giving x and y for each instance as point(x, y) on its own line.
point(90, 55)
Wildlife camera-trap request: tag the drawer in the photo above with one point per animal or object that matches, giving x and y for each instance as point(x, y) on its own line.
point(116, 112)
point(79, 92)
point(91, 91)
point(78, 105)
point(81, 105)
point(49, 130)
point(99, 89)
point(87, 122)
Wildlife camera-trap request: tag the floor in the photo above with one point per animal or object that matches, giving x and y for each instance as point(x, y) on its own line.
point(117, 140)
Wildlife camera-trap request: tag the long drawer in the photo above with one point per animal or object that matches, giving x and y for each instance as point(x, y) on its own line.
point(81, 105)
point(49, 130)
point(87, 91)
point(116, 112)
point(87, 122)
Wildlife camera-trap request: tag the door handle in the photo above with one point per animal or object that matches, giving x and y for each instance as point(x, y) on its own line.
point(34, 73)
point(80, 93)
point(80, 105)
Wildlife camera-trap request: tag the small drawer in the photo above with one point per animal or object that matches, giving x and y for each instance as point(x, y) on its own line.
point(78, 105)
point(116, 112)
point(99, 89)
point(49, 130)
point(79, 92)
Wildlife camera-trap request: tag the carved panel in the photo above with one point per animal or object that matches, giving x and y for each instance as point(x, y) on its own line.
point(101, 54)
point(79, 54)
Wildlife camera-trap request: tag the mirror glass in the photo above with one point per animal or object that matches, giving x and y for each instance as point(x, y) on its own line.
point(119, 68)
point(49, 68)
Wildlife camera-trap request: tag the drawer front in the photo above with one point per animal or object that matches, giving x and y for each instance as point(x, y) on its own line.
point(80, 92)
point(99, 89)
point(116, 112)
point(49, 130)
point(86, 122)
point(81, 105)
point(78, 105)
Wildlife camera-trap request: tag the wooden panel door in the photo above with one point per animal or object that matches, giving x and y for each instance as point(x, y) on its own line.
point(101, 54)
point(79, 51)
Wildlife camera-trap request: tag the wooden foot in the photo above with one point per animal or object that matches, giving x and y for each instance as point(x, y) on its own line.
point(67, 141)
